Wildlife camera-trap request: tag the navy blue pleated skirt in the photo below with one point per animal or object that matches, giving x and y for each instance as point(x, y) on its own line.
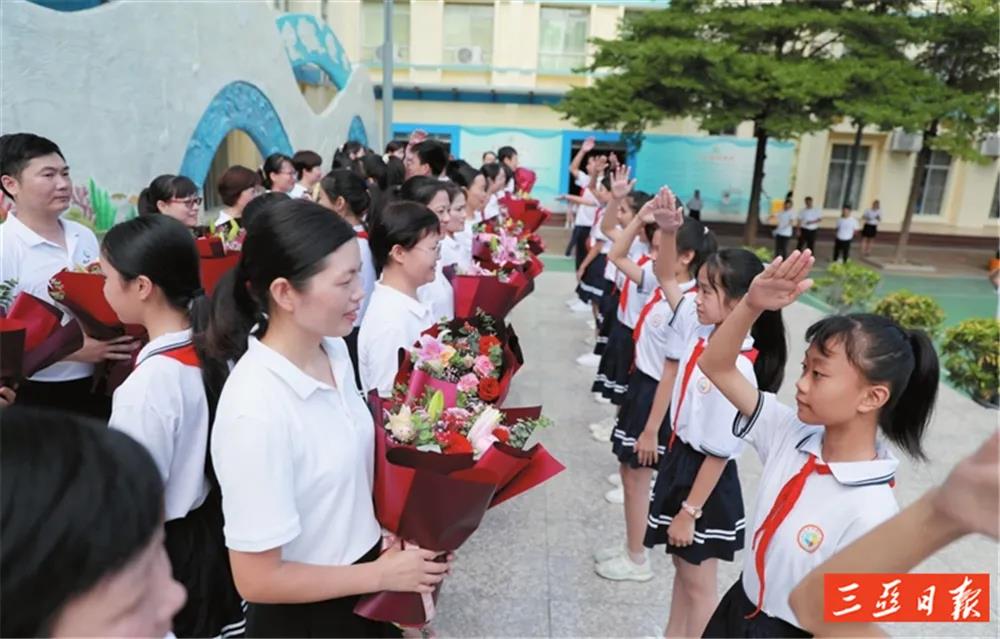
point(632, 420)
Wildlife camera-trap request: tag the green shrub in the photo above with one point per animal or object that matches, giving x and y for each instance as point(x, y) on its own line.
point(970, 357)
point(911, 310)
point(848, 286)
point(763, 253)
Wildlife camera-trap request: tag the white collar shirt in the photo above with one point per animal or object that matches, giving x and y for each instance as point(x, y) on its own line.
point(31, 260)
point(492, 208)
point(872, 216)
point(784, 224)
point(651, 348)
point(832, 511)
point(438, 295)
point(162, 405)
point(298, 192)
point(367, 274)
point(811, 218)
point(846, 227)
point(456, 249)
point(585, 213)
point(393, 320)
point(295, 459)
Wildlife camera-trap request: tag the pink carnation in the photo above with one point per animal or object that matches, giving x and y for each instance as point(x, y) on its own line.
point(483, 366)
point(468, 383)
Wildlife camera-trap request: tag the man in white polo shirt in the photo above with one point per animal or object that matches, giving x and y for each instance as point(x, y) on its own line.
point(35, 244)
point(809, 219)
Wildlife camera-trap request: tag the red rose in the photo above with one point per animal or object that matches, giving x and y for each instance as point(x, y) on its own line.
point(489, 389)
point(456, 444)
point(487, 343)
point(502, 434)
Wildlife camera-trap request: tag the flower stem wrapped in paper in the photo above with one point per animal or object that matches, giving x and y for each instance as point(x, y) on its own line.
point(494, 293)
point(467, 360)
point(81, 292)
point(437, 471)
point(527, 212)
point(33, 337)
point(216, 259)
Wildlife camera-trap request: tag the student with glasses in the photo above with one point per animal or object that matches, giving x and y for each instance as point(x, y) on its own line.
point(173, 195)
point(278, 173)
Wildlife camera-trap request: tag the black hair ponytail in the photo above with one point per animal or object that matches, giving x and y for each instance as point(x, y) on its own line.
point(694, 236)
point(884, 352)
point(272, 164)
point(164, 188)
point(348, 185)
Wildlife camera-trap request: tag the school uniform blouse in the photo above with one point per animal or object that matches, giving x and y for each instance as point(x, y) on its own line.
point(652, 347)
point(845, 228)
point(784, 224)
point(585, 213)
point(832, 511)
point(295, 459)
point(368, 277)
point(439, 294)
point(872, 216)
point(456, 250)
point(298, 192)
point(394, 320)
point(492, 208)
point(703, 417)
point(31, 260)
point(162, 405)
point(638, 295)
point(811, 218)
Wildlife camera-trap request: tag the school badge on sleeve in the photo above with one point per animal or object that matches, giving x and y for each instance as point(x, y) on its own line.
point(810, 537)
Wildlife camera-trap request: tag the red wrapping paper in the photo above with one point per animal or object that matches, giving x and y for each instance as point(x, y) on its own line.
point(46, 340)
point(524, 179)
point(528, 213)
point(210, 246)
point(485, 292)
point(438, 501)
point(12, 337)
point(213, 268)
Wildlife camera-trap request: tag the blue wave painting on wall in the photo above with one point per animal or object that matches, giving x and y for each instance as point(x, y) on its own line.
point(308, 42)
point(357, 131)
point(239, 105)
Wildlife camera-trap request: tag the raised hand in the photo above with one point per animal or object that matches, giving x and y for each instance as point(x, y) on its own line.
point(598, 165)
point(663, 210)
point(588, 144)
point(620, 184)
point(781, 282)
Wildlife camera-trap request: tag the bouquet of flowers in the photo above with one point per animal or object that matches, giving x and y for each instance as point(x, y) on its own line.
point(466, 360)
point(33, 337)
point(216, 258)
point(526, 211)
point(231, 234)
point(437, 471)
point(81, 292)
point(495, 293)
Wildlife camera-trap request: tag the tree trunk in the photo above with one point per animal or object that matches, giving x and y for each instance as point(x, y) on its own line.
point(753, 212)
point(916, 190)
point(855, 151)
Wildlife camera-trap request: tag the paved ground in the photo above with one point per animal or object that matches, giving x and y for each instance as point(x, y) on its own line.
point(528, 571)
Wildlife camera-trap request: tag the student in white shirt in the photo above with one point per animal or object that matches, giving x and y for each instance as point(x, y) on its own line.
point(808, 223)
point(456, 244)
point(82, 545)
point(783, 231)
point(308, 172)
point(507, 155)
point(35, 244)
point(495, 180)
point(405, 240)
point(345, 193)
point(152, 270)
point(433, 194)
point(696, 508)
point(175, 196)
point(694, 205)
point(278, 173)
point(585, 177)
point(872, 217)
point(293, 440)
point(823, 461)
point(428, 158)
point(846, 226)
point(237, 186)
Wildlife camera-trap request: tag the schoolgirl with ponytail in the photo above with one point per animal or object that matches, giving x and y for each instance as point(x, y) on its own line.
point(152, 270)
point(828, 477)
point(696, 508)
point(293, 440)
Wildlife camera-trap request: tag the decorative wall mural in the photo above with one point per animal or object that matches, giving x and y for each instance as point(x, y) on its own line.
point(357, 131)
point(239, 105)
point(307, 41)
point(94, 207)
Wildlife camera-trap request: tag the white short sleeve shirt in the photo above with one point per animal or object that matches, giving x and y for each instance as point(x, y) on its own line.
point(393, 320)
point(872, 216)
point(368, 277)
point(653, 345)
point(162, 405)
point(784, 228)
point(31, 260)
point(439, 295)
point(298, 192)
point(832, 511)
point(295, 459)
point(585, 213)
point(845, 228)
point(811, 218)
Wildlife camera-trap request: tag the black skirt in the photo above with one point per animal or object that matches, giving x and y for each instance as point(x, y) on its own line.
point(200, 562)
point(718, 533)
point(869, 230)
point(608, 318)
point(330, 618)
point(632, 420)
point(730, 618)
point(615, 368)
point(592, 286)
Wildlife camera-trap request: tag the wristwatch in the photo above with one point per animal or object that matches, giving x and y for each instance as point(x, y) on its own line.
point(691, 510)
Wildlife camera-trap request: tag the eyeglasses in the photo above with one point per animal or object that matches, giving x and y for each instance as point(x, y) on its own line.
point(436, 250)
point(286, 173)
point(191, 202)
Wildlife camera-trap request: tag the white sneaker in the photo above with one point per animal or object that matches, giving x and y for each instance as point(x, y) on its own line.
point(603, 435)
point(579, 306)
point(609, 553)
point(622, 568)
point(615, 479)
point(601, 399)
point(573, 300)
point(589, 359)
point(615, 495)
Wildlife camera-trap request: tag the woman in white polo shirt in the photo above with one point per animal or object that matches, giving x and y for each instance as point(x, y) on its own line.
point(293, 441)
point(152, 270)
point(405, 240)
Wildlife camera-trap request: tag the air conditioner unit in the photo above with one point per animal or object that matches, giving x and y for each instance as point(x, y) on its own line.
point(470, 55)
point(990, 146)
point(398, 52)
point(903, 142)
